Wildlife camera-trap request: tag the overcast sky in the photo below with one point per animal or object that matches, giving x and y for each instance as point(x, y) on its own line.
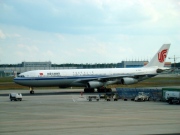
point(87, 31)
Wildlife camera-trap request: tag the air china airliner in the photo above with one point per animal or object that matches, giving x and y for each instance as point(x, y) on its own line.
point(94, 78)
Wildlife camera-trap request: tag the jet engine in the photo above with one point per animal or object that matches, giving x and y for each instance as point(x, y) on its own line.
point(126, 81)
point(94, 84)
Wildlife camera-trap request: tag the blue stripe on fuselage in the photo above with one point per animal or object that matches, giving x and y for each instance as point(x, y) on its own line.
point(56, 78)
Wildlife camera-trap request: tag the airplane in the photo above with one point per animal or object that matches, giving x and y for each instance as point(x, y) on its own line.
point(94, 78)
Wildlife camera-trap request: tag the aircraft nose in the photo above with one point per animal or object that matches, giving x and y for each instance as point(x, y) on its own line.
point(16, 80)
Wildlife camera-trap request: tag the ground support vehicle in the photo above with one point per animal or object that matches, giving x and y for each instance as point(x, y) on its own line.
point(141, 97)
point(15, 96)
point(111, 96)
point(172, 97)
point(102, 96)
point(91, 98)
point(115, 97)
point(108, 98)
point(164, 90)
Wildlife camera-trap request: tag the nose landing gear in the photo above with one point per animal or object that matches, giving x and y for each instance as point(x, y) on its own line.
point(31, 90)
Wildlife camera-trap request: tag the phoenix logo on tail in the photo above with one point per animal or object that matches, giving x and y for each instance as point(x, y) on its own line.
point(162, 55)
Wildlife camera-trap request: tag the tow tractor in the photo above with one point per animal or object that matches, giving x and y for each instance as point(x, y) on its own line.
point(90, 98)
point(15, 96)
point(111, 97)
point(141, 97)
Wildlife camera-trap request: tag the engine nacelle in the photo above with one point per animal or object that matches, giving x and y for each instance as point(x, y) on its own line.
point(94, 84)
point(127, 81)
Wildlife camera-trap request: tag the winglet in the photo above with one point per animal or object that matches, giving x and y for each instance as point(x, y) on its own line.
point(160, 57)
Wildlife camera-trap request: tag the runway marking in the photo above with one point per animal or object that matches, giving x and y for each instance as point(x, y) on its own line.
point(73, 99)
point(79, 99)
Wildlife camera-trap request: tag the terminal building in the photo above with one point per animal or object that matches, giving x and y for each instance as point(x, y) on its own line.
point(10, 70)
point(131, 64)
point(137, 64)
point(36, 64)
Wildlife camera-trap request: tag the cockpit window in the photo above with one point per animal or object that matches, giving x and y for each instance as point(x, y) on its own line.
point(21, 76)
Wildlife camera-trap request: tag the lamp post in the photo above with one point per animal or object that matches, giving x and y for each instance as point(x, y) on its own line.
point(175, 58)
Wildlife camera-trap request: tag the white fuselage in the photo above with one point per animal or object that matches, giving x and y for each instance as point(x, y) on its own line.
point(70, 77)
point(89, 72)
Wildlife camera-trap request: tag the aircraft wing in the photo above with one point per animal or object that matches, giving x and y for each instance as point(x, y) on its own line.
point(106, 78)
point(112, 77)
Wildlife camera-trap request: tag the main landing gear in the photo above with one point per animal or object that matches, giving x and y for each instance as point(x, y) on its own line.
point(31, 90)
point(88, 90)
point(104, 89)
point(99, 90)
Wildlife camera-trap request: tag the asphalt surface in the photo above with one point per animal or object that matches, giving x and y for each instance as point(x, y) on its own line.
point(56, 112)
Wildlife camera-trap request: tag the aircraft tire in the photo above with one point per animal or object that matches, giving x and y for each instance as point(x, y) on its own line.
point(92, 90)
point(86, 90)
point(98, 90)
point(31, 92)
point(170, 102)
point(108, 90)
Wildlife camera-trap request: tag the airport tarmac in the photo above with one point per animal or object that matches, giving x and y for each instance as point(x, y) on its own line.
point(55, 112)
